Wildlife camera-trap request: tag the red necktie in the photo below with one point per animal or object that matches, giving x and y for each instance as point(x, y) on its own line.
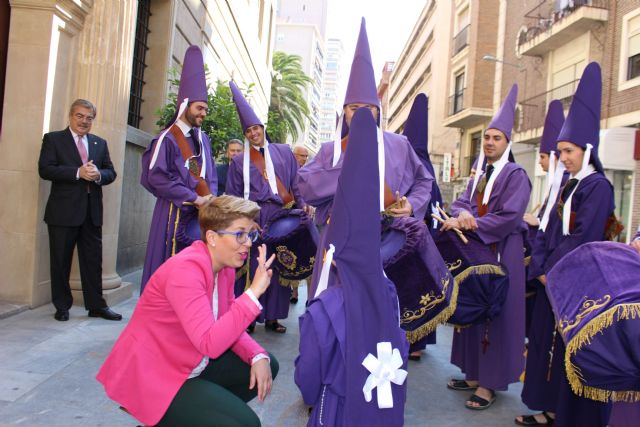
point(82, 150)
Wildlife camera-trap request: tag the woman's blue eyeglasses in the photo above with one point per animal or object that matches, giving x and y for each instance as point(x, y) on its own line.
point(242, 236)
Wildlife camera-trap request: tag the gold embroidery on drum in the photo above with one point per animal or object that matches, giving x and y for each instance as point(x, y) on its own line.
point(428, 302)
point(588, 306)
point(454, 265)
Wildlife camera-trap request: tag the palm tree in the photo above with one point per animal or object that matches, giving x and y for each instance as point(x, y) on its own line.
point(288, 109)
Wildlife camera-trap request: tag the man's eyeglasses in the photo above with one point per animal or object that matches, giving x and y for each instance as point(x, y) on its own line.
point(242, 236)
point(82, 117)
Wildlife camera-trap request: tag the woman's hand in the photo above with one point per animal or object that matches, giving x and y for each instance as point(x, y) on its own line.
point(531, 220)
point(261, 375)
point(262, 277)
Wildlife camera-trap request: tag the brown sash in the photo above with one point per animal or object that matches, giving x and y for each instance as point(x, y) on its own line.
point(389, 197)
point(258, 162)
point(202, 188)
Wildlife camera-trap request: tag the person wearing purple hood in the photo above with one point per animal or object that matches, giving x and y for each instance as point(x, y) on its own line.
point(350, 340)
point(542, 372)
point(407, 184)
point(581, 214)
point(490, 355)
point(177, 167)
point(264, 174)
point(416, 129)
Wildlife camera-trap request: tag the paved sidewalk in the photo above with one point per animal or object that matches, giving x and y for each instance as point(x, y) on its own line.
point(48, 368)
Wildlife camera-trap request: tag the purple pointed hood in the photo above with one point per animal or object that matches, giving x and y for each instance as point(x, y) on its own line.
point(193, 83)
point(246, 114)
point(416, 129)
point(370, 298)
point(582, 125)
point(503, 120)
point(362, 88)
point(552, 125)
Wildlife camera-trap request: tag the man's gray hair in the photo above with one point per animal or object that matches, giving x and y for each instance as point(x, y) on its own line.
point(234, 141)
point(83, 103)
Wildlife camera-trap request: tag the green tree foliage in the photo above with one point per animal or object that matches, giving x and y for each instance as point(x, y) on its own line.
point(221, 124)
point(288, 109)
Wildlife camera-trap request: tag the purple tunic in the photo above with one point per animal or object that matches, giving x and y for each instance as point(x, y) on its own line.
point(503, 361)
point(404, 172)
point(172, 184)
point(592, 203)
point(320, 367)
point(275, 300)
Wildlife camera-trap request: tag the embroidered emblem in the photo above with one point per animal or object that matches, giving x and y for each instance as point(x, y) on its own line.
point(588, 306)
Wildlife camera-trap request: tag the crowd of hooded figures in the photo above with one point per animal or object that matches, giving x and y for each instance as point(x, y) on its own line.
point(364, 223)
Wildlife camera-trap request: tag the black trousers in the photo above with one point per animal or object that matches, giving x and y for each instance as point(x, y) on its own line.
point(217, 397)
point(62, 242)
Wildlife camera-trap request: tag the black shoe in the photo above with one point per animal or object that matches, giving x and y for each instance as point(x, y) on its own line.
point(105, 313)
point(61, 315)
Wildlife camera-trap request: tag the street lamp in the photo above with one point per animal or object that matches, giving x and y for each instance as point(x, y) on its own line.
point(492, 58)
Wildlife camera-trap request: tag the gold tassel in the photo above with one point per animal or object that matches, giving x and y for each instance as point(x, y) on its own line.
point(527, 261)
point(583, 338)
point(442, 317)
point(287, 282)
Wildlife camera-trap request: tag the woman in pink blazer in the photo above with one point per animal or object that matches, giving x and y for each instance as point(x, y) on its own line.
point(185, 359)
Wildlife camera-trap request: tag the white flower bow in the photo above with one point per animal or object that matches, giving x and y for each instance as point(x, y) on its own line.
point(385, 369)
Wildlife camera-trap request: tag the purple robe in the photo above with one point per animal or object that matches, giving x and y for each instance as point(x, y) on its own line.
point(404, 172)
point(503, 226)
point(275, 301)
point(592, 203)
point(172, 184)
point(320, 367)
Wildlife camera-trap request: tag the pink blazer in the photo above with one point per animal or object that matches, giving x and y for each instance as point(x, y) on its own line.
point(171, 329)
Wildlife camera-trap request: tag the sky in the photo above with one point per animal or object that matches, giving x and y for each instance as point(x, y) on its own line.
point(389, 25)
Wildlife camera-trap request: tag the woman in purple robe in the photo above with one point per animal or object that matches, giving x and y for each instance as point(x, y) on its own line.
point(580, 215)
point(264, 174)
point(491, 355)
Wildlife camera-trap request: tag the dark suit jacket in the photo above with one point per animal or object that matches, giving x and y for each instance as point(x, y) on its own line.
point(59, 162)
point(222, 169)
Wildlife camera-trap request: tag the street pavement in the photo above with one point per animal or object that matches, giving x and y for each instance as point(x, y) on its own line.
point(48, 368)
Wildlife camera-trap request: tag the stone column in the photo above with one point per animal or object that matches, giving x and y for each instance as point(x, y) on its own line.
point(104, 64)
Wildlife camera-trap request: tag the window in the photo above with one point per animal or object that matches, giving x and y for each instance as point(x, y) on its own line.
point(140, 49)
point(458, 93)
point(474, 152)
point(629, 65)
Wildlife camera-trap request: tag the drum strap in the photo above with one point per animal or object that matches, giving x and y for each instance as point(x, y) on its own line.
point(258, 162)
point(202, 188)
point(389, 197)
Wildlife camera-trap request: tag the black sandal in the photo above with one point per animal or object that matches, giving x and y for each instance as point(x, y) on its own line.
point(482, 404)
point(530, 420)
point(275, 327)
point(460, 385)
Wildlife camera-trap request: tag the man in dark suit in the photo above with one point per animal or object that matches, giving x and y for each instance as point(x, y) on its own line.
point(78, 165)
point(234, 147)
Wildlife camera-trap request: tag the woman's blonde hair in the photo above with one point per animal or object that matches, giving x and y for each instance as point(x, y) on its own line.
point(220, 212)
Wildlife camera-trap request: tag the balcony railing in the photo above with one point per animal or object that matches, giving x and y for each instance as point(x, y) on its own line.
point(461, 40)
point(535, 108)
point(542, 18)
point(456, 102)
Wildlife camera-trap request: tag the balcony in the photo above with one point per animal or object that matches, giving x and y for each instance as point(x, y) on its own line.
point(534, 111)
point(549, 26)
point(462, 116)
point(461, 40)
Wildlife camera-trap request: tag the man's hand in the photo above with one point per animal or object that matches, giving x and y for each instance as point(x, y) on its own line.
point(261, 375)
point(450, 224)
point(262, 276)
point(636, 245)
point(89, 172)
point(466, 221)
point(309, 210)
point(403, 207)
point(200, 201)
point(543, 279)
point(531, 220)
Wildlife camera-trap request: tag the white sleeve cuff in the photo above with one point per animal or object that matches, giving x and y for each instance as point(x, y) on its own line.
point(253, 298)
point(78, 174)
point(259, 356)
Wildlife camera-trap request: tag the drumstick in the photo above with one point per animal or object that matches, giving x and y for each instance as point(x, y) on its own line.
point(458, 232)
point(442, 212)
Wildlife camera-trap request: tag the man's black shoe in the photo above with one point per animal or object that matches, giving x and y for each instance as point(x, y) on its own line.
point(61, 315)
point(105, 313)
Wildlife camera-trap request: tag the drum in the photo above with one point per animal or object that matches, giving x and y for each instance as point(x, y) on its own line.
point(482, 282)
point(293, 237)
point(188, 227)
point(424, 285)
point(595, 294)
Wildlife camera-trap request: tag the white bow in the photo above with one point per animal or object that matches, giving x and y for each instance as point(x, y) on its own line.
point(385, 369)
